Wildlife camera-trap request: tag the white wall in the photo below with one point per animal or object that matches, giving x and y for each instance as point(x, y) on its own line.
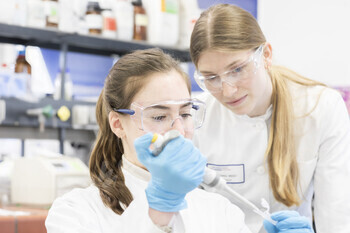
point(311, 37)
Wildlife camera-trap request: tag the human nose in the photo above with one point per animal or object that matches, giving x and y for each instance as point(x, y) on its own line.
point(228, 89)
point(178, 125)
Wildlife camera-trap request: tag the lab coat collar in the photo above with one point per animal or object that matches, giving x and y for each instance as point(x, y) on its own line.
point(264, 117)
point(135, 170)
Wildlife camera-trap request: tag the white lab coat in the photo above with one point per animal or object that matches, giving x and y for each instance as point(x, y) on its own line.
point(235, 145)
point(82, 211)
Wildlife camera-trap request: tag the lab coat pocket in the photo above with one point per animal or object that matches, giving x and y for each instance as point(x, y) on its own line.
point(306, 173)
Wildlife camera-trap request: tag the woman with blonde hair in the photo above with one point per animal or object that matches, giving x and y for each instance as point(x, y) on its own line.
point(278, 135)
point(133, 190)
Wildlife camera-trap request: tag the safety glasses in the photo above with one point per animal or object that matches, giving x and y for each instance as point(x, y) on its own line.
point(160, 117)
point(213, 83)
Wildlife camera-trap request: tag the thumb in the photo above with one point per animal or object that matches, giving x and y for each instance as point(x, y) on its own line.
point(142, 144)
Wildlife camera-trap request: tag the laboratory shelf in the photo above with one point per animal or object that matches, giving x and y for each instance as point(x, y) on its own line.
point(54, 39)
point(26, 132)
point(16, 112)
point(18, 124)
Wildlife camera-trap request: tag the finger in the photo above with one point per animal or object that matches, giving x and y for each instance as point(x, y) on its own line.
point(281, 215)
point(294, 223)
point(269, 227)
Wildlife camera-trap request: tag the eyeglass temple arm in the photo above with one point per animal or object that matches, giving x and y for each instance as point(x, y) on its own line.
point(125, 111)
point(195, 107)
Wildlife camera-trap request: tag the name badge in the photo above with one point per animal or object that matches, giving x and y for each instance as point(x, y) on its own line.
point(232, 173)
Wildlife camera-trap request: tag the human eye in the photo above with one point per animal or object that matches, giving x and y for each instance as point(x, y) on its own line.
point(186, 112)
point(159, 118)
point(186, 115)
point(212, 79)
point(236, 70)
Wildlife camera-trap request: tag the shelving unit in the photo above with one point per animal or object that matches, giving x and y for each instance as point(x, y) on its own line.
point(19, 125)
point(54, 39)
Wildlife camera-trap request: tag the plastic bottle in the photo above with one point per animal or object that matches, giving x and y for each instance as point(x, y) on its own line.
point(94, 19)
point(20, 12)
point(163, 21)
point(189, 13)
point(51, 13)
point(68, 19)
point(140, 21)
point(109, 24)
point(124, 14)
point(36, 16)
point(68, 86)
point(5, 75)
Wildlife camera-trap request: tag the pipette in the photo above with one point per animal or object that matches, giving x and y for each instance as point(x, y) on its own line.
point(211, 178)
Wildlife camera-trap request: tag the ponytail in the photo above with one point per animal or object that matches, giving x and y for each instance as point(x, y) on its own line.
point(281, 153)
point(105, 163)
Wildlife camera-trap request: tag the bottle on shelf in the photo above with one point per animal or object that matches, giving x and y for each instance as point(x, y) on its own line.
point(22, 65)
point(163, 21)
point(20, 12)
point(68, 86)
point(93, 18)
point(21, 80)
point(124, 15)
point(36, 15)
point(140, 21)
point(51, 13)
point(109, 24)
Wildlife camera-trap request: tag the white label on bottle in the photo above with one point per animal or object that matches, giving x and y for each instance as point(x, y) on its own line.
point(141, 20)
point(51, 11)
point(170, 6)
point(94, 21)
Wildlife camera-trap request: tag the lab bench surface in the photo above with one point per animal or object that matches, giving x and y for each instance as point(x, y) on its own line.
point(32, 223)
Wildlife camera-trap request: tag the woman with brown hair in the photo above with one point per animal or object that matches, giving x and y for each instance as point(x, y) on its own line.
point(133, 190)
point(278, 135)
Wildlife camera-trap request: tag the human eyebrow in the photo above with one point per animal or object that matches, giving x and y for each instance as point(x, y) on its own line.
point(185, 105)
point(234, 63)
point(159, 107)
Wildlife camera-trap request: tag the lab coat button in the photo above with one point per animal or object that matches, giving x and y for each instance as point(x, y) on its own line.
point(260, 170)
point(259, 125)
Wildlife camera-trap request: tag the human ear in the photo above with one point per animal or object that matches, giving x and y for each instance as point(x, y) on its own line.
point(267, 55)
point(116, 124)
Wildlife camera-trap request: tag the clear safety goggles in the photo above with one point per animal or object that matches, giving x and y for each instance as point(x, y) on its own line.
point(160, 117)
point(213, 83)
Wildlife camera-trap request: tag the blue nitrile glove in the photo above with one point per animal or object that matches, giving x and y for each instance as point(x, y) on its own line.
point(288, 222)
point(177, 170)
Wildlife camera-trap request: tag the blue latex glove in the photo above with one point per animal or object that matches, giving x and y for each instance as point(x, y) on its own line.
point(177, 170)
point(288, 222)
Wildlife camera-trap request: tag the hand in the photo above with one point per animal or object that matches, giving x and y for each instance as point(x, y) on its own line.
point(177, 170)
point(288, 222)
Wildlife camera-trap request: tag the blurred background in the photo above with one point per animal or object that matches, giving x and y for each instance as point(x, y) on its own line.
point(55, 55)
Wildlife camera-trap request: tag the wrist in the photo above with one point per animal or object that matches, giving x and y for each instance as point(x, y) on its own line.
point(161, 218)
point(165, 201)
